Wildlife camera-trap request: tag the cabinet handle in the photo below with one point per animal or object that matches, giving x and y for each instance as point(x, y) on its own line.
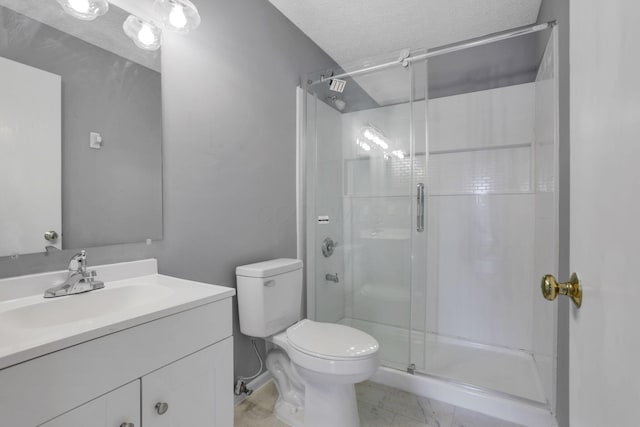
point(162, 408)
point(127, 425)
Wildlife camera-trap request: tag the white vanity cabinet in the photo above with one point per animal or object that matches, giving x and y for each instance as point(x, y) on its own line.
point(146, 351)
point(120, 407)
point(193, 391)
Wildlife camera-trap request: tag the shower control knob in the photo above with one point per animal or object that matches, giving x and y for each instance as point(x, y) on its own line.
point(127, 425)
point(328, 246)
point(162, 408)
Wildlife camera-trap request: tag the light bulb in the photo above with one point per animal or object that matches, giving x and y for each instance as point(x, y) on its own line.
point(81, 6)
point(180, 16)
point(87, 10)
point(177, 18)
point(146, 36)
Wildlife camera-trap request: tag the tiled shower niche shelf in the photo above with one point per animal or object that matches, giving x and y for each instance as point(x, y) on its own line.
point(474, 149)
point(385, 234)
point(490, 170)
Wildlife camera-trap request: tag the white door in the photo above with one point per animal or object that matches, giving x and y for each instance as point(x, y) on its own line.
point(121, 407)
point(30, 158)
point(605, 212)
point(194, 391)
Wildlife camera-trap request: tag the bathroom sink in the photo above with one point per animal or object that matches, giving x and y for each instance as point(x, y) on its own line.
point(32, 326)
point(47, 313)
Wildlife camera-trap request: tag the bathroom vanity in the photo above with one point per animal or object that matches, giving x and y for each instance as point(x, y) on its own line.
point(147, 350)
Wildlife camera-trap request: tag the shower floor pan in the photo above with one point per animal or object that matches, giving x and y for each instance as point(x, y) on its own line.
point(513, 372)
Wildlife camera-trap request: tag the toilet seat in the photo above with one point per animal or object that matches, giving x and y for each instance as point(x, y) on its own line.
point(306, 354)
point(331, 341)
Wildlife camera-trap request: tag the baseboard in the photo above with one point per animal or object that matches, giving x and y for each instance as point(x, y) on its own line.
point(254, 385)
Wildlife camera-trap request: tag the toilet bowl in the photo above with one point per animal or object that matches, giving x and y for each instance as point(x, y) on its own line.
point(328, 359)
point(315, 365)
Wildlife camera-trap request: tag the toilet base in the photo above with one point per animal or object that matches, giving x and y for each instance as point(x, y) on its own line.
point(332, 405)
point(289, 407)
point(307, 399)
point(288, 413)
point(329, 405)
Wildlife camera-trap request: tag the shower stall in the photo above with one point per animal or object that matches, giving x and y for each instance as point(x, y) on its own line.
point(428, 186)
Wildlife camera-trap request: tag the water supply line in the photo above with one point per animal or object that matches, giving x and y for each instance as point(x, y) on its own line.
point(240, 385)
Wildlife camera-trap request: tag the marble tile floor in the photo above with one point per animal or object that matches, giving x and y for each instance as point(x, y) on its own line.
point(379, 406)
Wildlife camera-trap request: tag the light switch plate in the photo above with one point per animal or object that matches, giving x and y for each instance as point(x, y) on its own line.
point(95, 140)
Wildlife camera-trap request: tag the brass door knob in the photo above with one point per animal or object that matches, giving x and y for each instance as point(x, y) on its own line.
point(551, 288)
point(51, 236)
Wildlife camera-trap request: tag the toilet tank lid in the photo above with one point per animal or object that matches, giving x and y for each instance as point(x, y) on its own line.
point(269, 268)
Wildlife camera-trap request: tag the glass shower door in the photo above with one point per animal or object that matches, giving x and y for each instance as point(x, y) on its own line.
point(363, 199)
point(491, 219)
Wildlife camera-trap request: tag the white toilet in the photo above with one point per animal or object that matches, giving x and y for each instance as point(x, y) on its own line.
point(315, 365)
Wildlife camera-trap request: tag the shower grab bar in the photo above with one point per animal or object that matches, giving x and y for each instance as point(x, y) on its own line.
point(420, 219)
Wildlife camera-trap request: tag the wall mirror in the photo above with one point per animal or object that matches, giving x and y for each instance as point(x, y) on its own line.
point(80, 131)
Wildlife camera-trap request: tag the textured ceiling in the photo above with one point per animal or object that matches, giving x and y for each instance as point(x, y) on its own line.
point(357, 29)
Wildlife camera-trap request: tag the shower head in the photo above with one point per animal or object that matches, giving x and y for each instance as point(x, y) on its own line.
point(337, 102)
point(340, 104)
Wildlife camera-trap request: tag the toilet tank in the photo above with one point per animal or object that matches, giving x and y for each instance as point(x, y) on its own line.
point(269, 296)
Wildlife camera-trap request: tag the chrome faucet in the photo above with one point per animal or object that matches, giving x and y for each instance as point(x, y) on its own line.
point(332, 278)
point(79, 279)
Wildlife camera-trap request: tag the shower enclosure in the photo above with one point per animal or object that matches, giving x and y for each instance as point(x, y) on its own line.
point(432, 176)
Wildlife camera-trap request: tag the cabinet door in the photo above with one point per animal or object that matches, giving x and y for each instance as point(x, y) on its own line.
point(114, 409)
point(194, 391)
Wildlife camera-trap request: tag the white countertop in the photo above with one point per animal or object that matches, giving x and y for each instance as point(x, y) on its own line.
point(32, 326)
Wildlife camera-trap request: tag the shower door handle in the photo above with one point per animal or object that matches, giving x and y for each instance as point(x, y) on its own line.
point(420, 219)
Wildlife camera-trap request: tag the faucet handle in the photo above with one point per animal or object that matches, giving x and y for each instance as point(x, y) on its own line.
point(78, 261)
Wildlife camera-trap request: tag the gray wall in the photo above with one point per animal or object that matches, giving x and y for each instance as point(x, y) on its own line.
point(559, 10)
point(112, 195)
point(229, 150)
point(230, 143)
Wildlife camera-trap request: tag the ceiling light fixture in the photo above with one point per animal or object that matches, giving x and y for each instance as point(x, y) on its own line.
point(180, 16)
point(146, 35)
point(87, 10)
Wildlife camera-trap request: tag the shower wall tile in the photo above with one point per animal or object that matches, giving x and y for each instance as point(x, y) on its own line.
point(487, 118)
point(480, 257)
point(393, 121)
point(381, 259)
point(378, 222)
point(481, 216)
point(496, 118)
point(481, 172)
